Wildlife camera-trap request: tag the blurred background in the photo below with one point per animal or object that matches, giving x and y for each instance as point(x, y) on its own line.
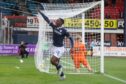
point(18, 21)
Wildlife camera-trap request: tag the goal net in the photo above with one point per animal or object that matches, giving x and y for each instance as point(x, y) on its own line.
point(85, 19)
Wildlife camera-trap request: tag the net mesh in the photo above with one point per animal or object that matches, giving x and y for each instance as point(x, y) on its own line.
point(90, 32)
point(54, 11)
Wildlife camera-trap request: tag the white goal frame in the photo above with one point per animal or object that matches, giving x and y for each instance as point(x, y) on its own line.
point(101, 31)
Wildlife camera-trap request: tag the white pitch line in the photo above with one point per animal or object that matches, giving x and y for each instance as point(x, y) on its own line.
point(17, 67)
point(67, 63)
point(115, 78)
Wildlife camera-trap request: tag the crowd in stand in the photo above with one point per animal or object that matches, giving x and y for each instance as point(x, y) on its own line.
point(113, 8)
point(66, 1)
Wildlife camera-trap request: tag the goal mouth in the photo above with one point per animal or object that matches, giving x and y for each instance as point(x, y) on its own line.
point(80, 19)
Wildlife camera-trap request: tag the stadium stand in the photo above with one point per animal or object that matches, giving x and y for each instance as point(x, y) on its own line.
point(19, 36)
point(32, 7)
point(59, 1)
point(5, 5)
point(113, 10)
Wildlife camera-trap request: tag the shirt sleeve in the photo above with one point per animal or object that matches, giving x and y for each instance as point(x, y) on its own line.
point(52, 25)
point(67, 33)
point(47, 20)
point(70, 38)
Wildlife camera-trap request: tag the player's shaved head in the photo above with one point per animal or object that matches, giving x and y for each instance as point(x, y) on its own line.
point(78, 37)
point(59, 22)
point(62, 20)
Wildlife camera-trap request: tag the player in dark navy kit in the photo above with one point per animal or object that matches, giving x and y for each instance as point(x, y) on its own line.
point(59, 33)
point(22, 51)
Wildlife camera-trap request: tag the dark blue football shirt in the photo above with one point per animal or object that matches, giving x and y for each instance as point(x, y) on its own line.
point(58, 33)
point(58, 36)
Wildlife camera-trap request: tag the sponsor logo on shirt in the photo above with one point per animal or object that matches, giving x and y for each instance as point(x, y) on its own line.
point(58, 32)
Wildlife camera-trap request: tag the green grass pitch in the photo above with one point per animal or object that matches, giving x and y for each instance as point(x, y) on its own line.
point(14, 72)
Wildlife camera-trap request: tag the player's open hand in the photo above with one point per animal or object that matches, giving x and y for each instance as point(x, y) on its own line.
point(71, 50)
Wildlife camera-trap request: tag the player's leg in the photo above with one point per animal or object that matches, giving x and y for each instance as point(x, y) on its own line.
point(86, 64)
point(76, 64)
point(55, 62)
point(91, 51)
point(57, 53)
point(89, 67)
point(22, 54)
point(27, 53)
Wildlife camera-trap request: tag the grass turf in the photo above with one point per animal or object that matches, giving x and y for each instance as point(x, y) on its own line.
point(14, 72)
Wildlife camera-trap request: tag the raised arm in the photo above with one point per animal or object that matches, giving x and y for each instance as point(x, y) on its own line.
point(45, 17)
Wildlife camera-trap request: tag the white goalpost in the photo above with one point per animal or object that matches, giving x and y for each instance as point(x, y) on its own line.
point(85, 19)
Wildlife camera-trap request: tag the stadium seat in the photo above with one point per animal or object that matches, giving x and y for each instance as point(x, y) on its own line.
point(32, 7)
point(113, 12)
point(7, 5)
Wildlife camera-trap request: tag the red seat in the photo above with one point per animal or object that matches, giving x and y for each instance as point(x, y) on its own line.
point(120, 8)
point(117, 13)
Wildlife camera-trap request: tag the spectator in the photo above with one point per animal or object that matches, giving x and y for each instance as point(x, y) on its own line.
point(113, 2)
point(92, 45)
point(88, 0)
point(59, 1)
point(71, 1)
point(15, 9)
point(44, 1)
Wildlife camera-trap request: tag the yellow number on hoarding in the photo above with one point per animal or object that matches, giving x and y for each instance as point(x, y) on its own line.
point(90, 23)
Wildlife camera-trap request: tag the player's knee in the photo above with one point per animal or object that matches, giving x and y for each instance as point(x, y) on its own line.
point(54, 61)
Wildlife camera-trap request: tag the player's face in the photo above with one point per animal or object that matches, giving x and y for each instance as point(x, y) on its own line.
point(78, 40)
point(58, 23)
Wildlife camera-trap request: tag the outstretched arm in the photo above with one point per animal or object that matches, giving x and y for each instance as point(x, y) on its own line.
point(45, 17)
